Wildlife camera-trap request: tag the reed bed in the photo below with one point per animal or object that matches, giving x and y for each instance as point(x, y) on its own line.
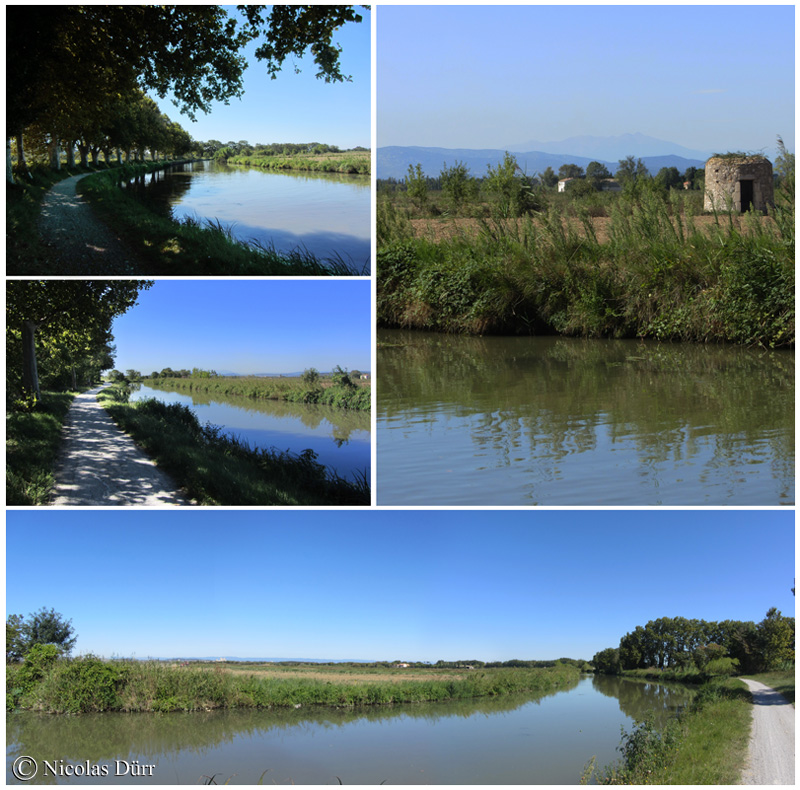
point(88, 684)
point(656, 276)
point(294, 390)
point(344, 162)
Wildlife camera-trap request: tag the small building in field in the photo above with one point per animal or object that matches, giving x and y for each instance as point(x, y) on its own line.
point(562, 184)
point(736, 182)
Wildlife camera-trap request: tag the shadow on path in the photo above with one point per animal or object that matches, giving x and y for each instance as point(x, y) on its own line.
point(100, 465)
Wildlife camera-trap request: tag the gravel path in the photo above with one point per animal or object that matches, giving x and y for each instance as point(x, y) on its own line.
point(771, 755)
point(100, 465)
point(80, 243)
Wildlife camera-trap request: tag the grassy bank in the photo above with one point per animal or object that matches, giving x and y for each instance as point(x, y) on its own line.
point(216, 469)
point(353, 162)
point(706, 744)
point(33, 436)
point(294, 390)
point(88, 684)
point(169, 247)
point(657, 275)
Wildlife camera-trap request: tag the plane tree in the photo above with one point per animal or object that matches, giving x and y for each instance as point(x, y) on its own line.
point(60, 317)
point(74, 62)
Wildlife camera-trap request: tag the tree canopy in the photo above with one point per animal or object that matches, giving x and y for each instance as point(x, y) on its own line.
point(45, 627)
point(76, 72)
point(68, 320)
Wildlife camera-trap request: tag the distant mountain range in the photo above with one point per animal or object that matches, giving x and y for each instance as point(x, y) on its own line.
point(393, 161)
point(612, 148)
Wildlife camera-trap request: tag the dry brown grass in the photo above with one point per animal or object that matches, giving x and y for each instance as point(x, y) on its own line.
point(449, 228)
point(345, 676)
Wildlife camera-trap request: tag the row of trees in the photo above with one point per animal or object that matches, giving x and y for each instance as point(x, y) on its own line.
point(78, 74)
point(59, 332)
point(217, 150)
point(45, 627)
point(166, 373)
point(684, 644)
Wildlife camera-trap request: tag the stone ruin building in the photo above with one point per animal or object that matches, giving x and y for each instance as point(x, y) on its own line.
point(738, 183)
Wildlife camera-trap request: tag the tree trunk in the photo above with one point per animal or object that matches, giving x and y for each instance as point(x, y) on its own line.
point(9, 171)
point(21, 161)
point(55, 153)
point(71, 153)
point(83, 151)
point(30, 374)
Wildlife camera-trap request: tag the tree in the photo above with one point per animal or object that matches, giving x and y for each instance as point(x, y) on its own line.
point(417, 185)
point(607, 661)
point(73, 316)
point(669, 178)
point(341, 378)
point(456, 184)
point(631, 172)
point(570, 171)
point(310, 377)
point(290, 30)
point(48, 627)
point(68, 67)
point(596, 172)
point(513, 194)
point(548, 178)
point(776, 639)
point(15, 645)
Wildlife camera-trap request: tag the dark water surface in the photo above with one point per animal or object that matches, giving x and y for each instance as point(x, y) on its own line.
point(509, 740)
point(563, 421)
point(324, 213)
point(340, 438)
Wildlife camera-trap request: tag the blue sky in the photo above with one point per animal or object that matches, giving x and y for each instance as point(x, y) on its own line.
point(418, 585)
point(294, 108)
point(247, 326)
point(712, 78)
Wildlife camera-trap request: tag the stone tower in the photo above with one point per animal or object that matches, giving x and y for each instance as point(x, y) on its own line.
point(735, 182)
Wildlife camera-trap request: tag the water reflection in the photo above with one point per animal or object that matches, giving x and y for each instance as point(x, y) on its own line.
point(566, 421)
point(520, 739)
point(324, 213)
point(341, 438)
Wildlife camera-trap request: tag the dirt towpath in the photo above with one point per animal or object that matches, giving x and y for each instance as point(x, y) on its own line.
point(771, 754)
point(80, 243)
point(100, 465)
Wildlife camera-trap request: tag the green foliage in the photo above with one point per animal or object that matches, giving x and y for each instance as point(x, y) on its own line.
point(15, 644)
point(310, 377)
point(457, 185)
point(48, 627)
point(218, 469)
point(39, 660)
point(657, 276)
point(417, 185)
point(33, 436)
point(513, 194)
point(88, 684)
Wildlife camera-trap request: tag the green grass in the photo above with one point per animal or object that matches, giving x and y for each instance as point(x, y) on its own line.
point(706, 744)
point(216, 469)
point(190, 248)
point(657, 276)
point(33, 436)
point(356, 398)
point(88, 684)
point(347, 162)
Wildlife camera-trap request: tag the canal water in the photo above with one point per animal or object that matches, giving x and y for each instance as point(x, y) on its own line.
point(340, 438)
point(547, 739)
point(564, 421)
point(327, 214)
